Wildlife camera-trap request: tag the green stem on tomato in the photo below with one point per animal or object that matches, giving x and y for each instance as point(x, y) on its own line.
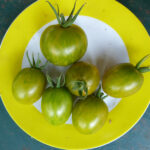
point(100, 94)
point(55, 11)
point(61, 18)
point(50, 81)
point(71, 14)
point(81, 87)
point(29, 59)
point(35, 64)
point(73, 18)
point(143, 69)
point(60, 82)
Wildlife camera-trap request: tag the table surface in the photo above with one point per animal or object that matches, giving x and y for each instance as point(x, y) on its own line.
point(13, 138)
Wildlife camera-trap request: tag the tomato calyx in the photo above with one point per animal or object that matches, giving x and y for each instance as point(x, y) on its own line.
point(60, 17)
point(81, 87)
point(60, 81)
point(99, 94)
point(35, 64)
point(143, 69)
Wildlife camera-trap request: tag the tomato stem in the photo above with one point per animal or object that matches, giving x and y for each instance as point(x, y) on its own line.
point(81, 87)
point(33, 60)
point(58, 84)
point(72, 19)
point(143, 69)
point(50, 81)
point(100, 94)
point(71, 14)
point(28, 59)
point(35, 64)
point(58, 9)
point(55, 11)
point(60, 17)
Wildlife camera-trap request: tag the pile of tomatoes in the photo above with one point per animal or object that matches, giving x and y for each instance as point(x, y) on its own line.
point(77, 91)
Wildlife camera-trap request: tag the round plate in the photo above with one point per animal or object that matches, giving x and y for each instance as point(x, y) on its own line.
point(125, 114)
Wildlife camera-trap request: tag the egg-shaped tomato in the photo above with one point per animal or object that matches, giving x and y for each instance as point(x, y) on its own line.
point(56, 102)
point(57, 105)
point(82, 75)
point(89, 115)
point(63, 44)
point(124, 79)
point(29, 84)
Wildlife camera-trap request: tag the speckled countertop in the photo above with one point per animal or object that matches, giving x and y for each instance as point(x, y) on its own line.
point(13, 138)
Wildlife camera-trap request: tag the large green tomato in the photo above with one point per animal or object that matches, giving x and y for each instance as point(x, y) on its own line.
point(57, 105)
point(82, 71)
point(63, 46)
point(89, 115)
point(29, 85)
point(122, 80)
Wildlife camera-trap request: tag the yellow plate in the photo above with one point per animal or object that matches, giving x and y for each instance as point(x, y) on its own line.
point(123, 117)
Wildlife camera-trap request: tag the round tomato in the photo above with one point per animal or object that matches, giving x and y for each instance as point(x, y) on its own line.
point(89, 115)
point(81, 75)
point(64, 43)
point(57, 105)
point(29, 85)
point(63, 46)
point(124, 79)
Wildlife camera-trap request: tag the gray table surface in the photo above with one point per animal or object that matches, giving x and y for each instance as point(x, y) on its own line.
point(13, 138)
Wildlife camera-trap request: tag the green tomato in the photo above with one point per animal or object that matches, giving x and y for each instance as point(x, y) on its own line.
point(63, 46)
point(122, 80)
point(89, 115)
point(29, 85)
point(57, 105)
point(82, 71)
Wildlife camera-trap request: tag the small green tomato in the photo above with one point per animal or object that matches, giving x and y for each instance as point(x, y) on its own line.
point(29, 83)
point(56, 103)
point(64, 43)
point(124, 79)
point(90, 114)
point(82, 78)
